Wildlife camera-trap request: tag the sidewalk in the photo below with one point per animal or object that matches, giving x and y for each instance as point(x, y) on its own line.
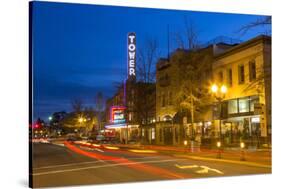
point(254, 157)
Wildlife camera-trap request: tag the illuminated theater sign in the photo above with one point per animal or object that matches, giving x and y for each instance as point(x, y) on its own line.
point(117, 114)
point(132, 55)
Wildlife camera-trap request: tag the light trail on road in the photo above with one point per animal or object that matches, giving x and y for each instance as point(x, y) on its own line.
point(134, 165)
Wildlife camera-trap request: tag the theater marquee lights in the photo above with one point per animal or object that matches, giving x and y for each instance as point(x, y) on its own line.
point(117, 114)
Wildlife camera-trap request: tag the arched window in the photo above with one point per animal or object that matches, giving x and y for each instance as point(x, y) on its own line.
point(167, 118)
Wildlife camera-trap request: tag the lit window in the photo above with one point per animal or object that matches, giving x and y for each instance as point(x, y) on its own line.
point(243, 105)
point(232, 107)
point(253, 100)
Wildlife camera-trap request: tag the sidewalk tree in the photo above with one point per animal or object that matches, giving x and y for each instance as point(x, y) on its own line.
point(145, 91)
point(194, 65)
point(193, 91)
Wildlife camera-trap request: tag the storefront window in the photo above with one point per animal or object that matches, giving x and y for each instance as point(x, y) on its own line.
point(232, 107)
point(243, 105)
point(253, 101)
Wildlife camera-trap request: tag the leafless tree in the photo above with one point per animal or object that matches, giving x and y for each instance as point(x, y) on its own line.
point(188, 39)
point(193, 91)
point(77, 105)
point(146, 61)
point(260, 22)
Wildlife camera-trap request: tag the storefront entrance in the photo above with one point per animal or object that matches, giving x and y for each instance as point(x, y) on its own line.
point(241, 128)
point(168, 136)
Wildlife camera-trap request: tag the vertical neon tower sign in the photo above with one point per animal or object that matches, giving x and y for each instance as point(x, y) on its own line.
point(131, 56)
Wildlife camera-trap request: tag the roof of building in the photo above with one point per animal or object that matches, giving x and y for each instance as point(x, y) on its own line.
point(242, 46)
point(218, 45)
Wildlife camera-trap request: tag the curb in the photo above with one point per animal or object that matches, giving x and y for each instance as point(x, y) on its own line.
point(226, 161)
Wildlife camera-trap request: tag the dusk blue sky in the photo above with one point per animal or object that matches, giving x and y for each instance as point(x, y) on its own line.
point(79, 49)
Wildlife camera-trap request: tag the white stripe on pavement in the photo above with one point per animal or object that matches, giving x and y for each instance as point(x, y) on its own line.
point(88, 162)
point(102, 166)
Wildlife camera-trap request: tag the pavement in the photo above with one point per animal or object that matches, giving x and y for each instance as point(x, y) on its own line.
point(65, 164)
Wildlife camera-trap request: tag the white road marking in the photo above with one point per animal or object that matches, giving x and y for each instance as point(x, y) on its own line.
point(102, 166)
point(99, 150)
point(58, 144)
point(186, 166)
point(203, 170)
point(206, 169)
point(91, 149)
point(88, 162)
point(65, 165)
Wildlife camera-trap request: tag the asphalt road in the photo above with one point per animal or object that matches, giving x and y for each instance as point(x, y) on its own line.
point(55, 165)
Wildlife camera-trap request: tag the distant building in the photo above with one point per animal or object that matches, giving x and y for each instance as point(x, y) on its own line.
point(246, 71)
point(133, 108)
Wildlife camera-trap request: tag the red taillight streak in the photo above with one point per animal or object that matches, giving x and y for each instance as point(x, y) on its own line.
point(146, 168)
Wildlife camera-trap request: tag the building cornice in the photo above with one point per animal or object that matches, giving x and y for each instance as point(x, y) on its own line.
point(243, 46)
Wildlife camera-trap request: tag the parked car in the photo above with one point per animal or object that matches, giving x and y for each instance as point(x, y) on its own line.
point(72, 137)
point(100, 137)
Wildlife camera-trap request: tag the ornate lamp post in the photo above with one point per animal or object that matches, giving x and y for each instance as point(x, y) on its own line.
point(219, 94)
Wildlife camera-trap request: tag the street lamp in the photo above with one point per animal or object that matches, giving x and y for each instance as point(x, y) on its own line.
point(80, 120)
point(219, 94)
point(242, 146)
point(185, 145)
point(214, 88)
point(219, 149)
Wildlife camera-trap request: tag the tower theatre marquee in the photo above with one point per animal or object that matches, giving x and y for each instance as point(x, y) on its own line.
point(131, 55)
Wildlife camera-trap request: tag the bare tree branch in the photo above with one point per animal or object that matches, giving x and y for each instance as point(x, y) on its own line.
point(77, 105)
point(147, 57)
point(264, 21)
